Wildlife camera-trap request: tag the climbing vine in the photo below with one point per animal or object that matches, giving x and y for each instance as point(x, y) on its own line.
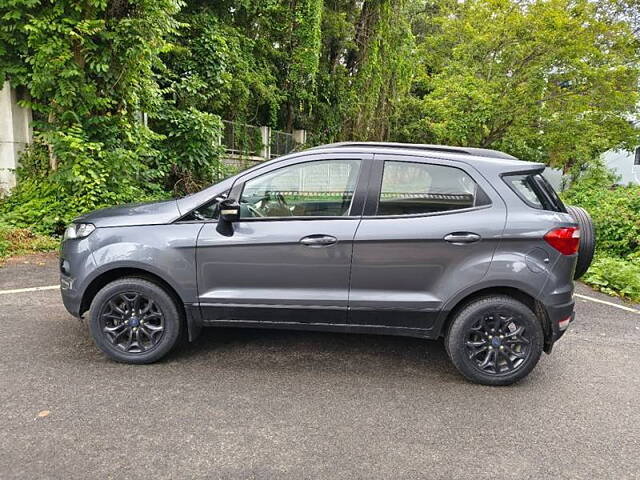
point(129, 95)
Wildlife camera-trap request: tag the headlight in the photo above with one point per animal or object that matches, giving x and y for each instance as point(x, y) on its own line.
point(78, 230)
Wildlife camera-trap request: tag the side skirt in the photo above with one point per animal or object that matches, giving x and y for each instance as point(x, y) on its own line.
point(323, 327)
point(319, 319)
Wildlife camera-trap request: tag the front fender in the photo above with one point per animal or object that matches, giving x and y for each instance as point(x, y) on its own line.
point(167, 251)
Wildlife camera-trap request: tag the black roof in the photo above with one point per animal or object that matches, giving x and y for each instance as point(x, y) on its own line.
point(478, 152)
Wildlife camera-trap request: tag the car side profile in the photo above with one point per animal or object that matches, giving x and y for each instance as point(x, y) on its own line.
point(469, 245)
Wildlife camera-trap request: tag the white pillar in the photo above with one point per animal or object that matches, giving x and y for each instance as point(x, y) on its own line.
point(300, 137)
point(265, 133)
point(15, 134)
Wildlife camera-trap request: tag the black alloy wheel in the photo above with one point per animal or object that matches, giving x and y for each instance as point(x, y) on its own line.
point(495, 340)
point(134, 320)
point(497, 343)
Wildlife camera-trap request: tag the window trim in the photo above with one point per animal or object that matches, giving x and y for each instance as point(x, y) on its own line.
point(554, 201)
point(431, 214)
point(547, 203)
point(375, 192)
point(362, 178)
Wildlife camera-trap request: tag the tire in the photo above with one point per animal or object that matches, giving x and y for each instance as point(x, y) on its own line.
point(135, 321)
point(469, 346)
point(587, 240)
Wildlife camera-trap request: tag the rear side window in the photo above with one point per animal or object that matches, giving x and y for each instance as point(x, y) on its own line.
point(420, 188)
point(535, 191)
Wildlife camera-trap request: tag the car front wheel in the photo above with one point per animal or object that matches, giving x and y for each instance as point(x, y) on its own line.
point(495, 340)
point(134, 320)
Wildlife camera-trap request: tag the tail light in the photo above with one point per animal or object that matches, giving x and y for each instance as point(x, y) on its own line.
point(566, 240)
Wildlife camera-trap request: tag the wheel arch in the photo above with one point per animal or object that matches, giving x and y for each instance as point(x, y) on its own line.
point(108, 276)
point(519, 294)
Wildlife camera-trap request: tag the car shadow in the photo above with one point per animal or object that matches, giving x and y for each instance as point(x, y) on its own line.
point(301, 350)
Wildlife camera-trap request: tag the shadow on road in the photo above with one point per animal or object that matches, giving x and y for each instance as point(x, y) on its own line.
point(298, 350)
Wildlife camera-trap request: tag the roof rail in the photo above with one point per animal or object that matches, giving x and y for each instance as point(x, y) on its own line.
point(480, 152)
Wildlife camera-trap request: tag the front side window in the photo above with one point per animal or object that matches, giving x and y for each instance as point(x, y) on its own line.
point(321, 188)
point(420, 188)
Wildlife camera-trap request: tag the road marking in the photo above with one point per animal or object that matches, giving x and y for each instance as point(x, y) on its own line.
point(31, 289)
point(611, 304)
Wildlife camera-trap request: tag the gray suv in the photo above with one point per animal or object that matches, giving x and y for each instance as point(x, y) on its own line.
point(469, 245)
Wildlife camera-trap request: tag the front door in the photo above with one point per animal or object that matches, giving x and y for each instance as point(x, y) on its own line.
point(429, 230)
point(289, 256)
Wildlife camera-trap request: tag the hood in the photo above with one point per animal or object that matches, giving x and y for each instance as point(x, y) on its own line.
point(150, 213)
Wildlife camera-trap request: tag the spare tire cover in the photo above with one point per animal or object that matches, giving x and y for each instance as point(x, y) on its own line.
point(587, 239)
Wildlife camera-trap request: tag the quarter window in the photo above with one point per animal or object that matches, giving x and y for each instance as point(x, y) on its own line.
point(420, 188)
point(523, 186)
point(322, 188)
point(536, 191)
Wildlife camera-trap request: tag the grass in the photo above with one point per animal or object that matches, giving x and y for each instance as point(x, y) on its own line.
point(20, 241)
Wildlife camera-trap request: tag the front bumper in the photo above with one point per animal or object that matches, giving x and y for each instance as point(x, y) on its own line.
point(71, 299)
point(76, 263)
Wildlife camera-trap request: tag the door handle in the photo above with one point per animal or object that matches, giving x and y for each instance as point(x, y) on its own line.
point(462, 237)
point(318, 240)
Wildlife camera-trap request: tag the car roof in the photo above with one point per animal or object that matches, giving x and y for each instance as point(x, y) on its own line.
point(478, 152)
point(482, 158)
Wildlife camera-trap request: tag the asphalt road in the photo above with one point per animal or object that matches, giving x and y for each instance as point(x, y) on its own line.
point(245, 404)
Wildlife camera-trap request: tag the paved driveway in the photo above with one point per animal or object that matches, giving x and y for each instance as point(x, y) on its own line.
point(271, 404)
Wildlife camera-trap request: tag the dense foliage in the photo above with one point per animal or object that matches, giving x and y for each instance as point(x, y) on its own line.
point(128, 95)
point(20, 241)
point(549, 80)
point(615, 212)
point(87, 71)
point(616, 216)
point(615, 276)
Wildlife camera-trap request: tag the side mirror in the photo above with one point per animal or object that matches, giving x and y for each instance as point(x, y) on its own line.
point(229, 213)
point(229, 210)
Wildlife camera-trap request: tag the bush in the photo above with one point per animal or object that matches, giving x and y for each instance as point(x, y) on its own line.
point(615, 276)
point(90, 176)
point(18, 241)
point(615, 212)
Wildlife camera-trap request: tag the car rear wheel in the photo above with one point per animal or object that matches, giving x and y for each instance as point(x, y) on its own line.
point(134, 320)
point(587, 245)
point(495, 340)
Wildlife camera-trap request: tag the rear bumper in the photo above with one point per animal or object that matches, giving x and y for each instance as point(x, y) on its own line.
point(556, 314)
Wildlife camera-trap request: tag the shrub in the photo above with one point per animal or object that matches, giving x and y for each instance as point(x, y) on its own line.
point(615, 212)
point(615, 276)
point(18, 241)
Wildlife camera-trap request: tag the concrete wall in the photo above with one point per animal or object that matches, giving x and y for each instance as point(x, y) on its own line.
point(621, 162)
point(15, 134)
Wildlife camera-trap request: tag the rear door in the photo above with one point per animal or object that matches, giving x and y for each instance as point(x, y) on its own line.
point(289, 256)
point(429, 229)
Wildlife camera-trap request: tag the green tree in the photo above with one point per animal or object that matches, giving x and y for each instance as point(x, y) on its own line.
point(87, 72)
point(548, 80)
